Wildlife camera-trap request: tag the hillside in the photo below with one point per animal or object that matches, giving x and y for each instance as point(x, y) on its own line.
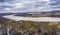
point(48, 14)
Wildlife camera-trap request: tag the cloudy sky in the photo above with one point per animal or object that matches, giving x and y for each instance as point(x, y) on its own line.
point(16, 6)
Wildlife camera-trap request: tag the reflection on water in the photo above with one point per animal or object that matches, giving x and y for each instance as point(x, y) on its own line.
point(36, 19)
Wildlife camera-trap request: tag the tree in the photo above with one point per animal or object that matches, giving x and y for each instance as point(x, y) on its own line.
point(29, 26)
point(53, 25)
point(9, 25)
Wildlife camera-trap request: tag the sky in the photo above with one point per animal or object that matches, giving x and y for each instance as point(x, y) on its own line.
point(17, 6)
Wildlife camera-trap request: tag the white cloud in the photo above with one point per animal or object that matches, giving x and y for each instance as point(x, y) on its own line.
point(8, 9)
point(46, 0)
point(26, 6)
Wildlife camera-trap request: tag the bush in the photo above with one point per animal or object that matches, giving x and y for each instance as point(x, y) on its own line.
point(32, 33)
point(18, 33)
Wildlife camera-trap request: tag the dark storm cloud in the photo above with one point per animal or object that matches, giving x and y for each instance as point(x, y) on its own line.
point(2, 0)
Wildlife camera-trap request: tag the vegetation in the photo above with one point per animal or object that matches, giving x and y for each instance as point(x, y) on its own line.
point(29, 26)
